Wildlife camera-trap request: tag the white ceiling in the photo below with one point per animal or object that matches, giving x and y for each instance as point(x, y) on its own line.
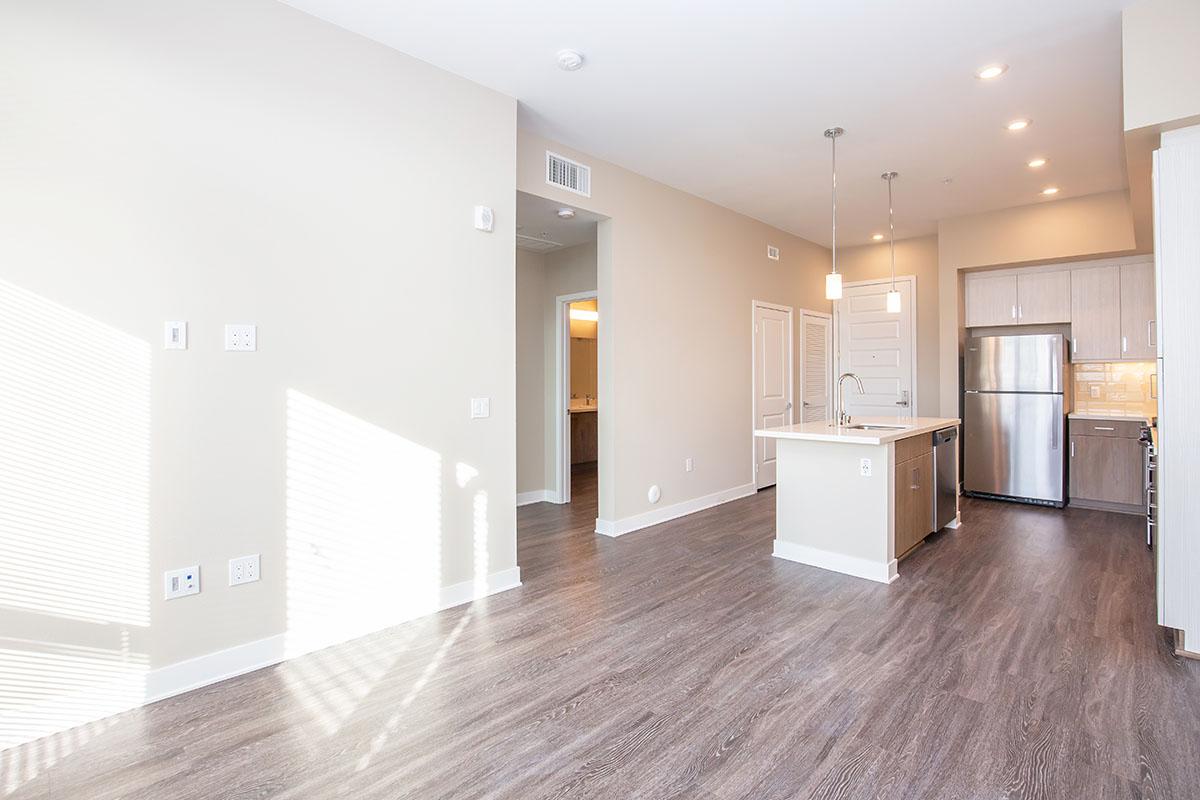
point(728, 100)
point(538, 219)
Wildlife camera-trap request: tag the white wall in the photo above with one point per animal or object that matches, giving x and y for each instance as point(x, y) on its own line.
point(240, 161)
point(676, 277)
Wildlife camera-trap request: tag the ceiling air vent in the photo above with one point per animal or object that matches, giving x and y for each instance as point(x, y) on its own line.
point(536, 244)
point(567, 174)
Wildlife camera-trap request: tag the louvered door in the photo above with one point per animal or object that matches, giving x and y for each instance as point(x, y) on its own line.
point(816, 345)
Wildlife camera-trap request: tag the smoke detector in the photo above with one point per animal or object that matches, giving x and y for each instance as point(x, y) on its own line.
point(569, 60)
point(566, 213)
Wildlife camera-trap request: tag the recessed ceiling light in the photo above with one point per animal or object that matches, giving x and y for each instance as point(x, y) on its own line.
point(991, 71)
point(1049, 190)
point(569, 60)
point(566, 213)
point(877, 237)
point(1037, 162)
point(1018, 125)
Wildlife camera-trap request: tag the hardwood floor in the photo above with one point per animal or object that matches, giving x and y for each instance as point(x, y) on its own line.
point(1016, 657)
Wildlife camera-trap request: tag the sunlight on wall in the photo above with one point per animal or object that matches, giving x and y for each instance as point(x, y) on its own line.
point(363, 526)
point(74, 522)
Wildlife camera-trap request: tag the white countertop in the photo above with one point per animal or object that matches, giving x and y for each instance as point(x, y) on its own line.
point(1113, 414)
point(580, 407)
point(826, 431)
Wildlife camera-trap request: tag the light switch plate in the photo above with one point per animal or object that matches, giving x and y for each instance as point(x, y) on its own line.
point(244, 569)
point(864, 467)
point(481, 407)
point(241, 337)
point(181, 582)
point(175, 335)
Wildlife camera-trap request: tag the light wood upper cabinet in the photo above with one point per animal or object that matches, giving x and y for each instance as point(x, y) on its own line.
point(1139, 328)
point(1096, 314)
point(991, 300)
point(1043, 297)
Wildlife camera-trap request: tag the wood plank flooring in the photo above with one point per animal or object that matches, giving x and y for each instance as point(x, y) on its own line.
point(1017, 657)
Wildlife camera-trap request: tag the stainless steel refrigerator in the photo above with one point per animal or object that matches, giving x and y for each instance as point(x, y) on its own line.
point(1014, 417)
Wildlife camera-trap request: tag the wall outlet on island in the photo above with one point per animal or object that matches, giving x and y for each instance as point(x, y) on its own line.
point(688, 466)
point(864, 467)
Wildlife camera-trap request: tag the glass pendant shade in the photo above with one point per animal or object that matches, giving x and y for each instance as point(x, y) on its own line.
point(893, 302)
point(833, 286)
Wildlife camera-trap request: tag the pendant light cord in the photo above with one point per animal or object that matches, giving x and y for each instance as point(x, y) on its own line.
point(833, 142)
point(892, 228)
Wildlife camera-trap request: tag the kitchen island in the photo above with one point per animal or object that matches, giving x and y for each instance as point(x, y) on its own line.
point(855, 499)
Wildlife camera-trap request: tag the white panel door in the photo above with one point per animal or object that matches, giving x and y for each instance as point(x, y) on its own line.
point(772, 383)
point(878, 348)
point(816, 353)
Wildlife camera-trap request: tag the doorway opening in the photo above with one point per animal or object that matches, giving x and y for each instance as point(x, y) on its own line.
point(560, 402)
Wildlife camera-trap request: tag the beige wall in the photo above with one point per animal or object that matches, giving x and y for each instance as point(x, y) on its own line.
point(917, 257)
point(194, 161)
point(676, 278)
point(1074, 229)
point(1160, 59)
point(531, 371)
point(541, 278)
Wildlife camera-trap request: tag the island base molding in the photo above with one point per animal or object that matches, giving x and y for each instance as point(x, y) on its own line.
point(879, 572)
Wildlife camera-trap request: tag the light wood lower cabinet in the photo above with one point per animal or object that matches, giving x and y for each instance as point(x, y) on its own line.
point(914, 498)
point(583, 437)
point(1106, 466)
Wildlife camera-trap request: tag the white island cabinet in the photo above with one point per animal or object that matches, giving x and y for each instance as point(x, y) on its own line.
point(856, 499)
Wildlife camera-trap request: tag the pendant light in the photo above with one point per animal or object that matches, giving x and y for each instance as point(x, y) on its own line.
point(893, 296)
point(833, 281)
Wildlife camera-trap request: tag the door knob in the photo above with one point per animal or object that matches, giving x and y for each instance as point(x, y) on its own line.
point(903, 401)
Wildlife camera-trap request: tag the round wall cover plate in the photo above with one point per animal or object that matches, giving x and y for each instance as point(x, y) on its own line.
point(654, 494)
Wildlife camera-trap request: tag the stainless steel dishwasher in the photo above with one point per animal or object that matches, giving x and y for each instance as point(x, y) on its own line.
point(945, 477)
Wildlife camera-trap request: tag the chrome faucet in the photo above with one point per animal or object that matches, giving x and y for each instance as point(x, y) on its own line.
point(843, 419)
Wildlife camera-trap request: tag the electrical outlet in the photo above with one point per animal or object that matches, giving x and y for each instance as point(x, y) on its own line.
point(1094, 391)
point(864, 467)
point(243, 570)
point(688, 466)
point(241, 337)
point(181, 582)
point(481, 407)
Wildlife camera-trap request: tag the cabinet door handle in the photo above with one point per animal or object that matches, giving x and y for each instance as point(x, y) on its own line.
point(1014, 312)
point(1020, 312)
point(1102, 428)
point(1072, 449)
point(916, 479)
point(1074, 345)
point(1124, 344)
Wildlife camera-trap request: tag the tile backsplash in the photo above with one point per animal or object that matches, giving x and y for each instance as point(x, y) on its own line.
point(1116, 386)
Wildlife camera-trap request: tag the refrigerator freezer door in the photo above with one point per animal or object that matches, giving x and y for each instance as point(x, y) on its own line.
point(1014, 363)
point(1014, 445)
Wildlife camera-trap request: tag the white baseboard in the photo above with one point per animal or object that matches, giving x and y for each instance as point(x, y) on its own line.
point(620, 527)
point(536, 496)
point(881, 572)
point(211, 668)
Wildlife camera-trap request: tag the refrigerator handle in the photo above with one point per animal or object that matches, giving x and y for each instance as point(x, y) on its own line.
point(1054, 436)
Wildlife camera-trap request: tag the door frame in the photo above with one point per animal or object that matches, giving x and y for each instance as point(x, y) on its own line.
point(830, 359)
point(562, 390)
point(791, 380)
point(911, 280)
